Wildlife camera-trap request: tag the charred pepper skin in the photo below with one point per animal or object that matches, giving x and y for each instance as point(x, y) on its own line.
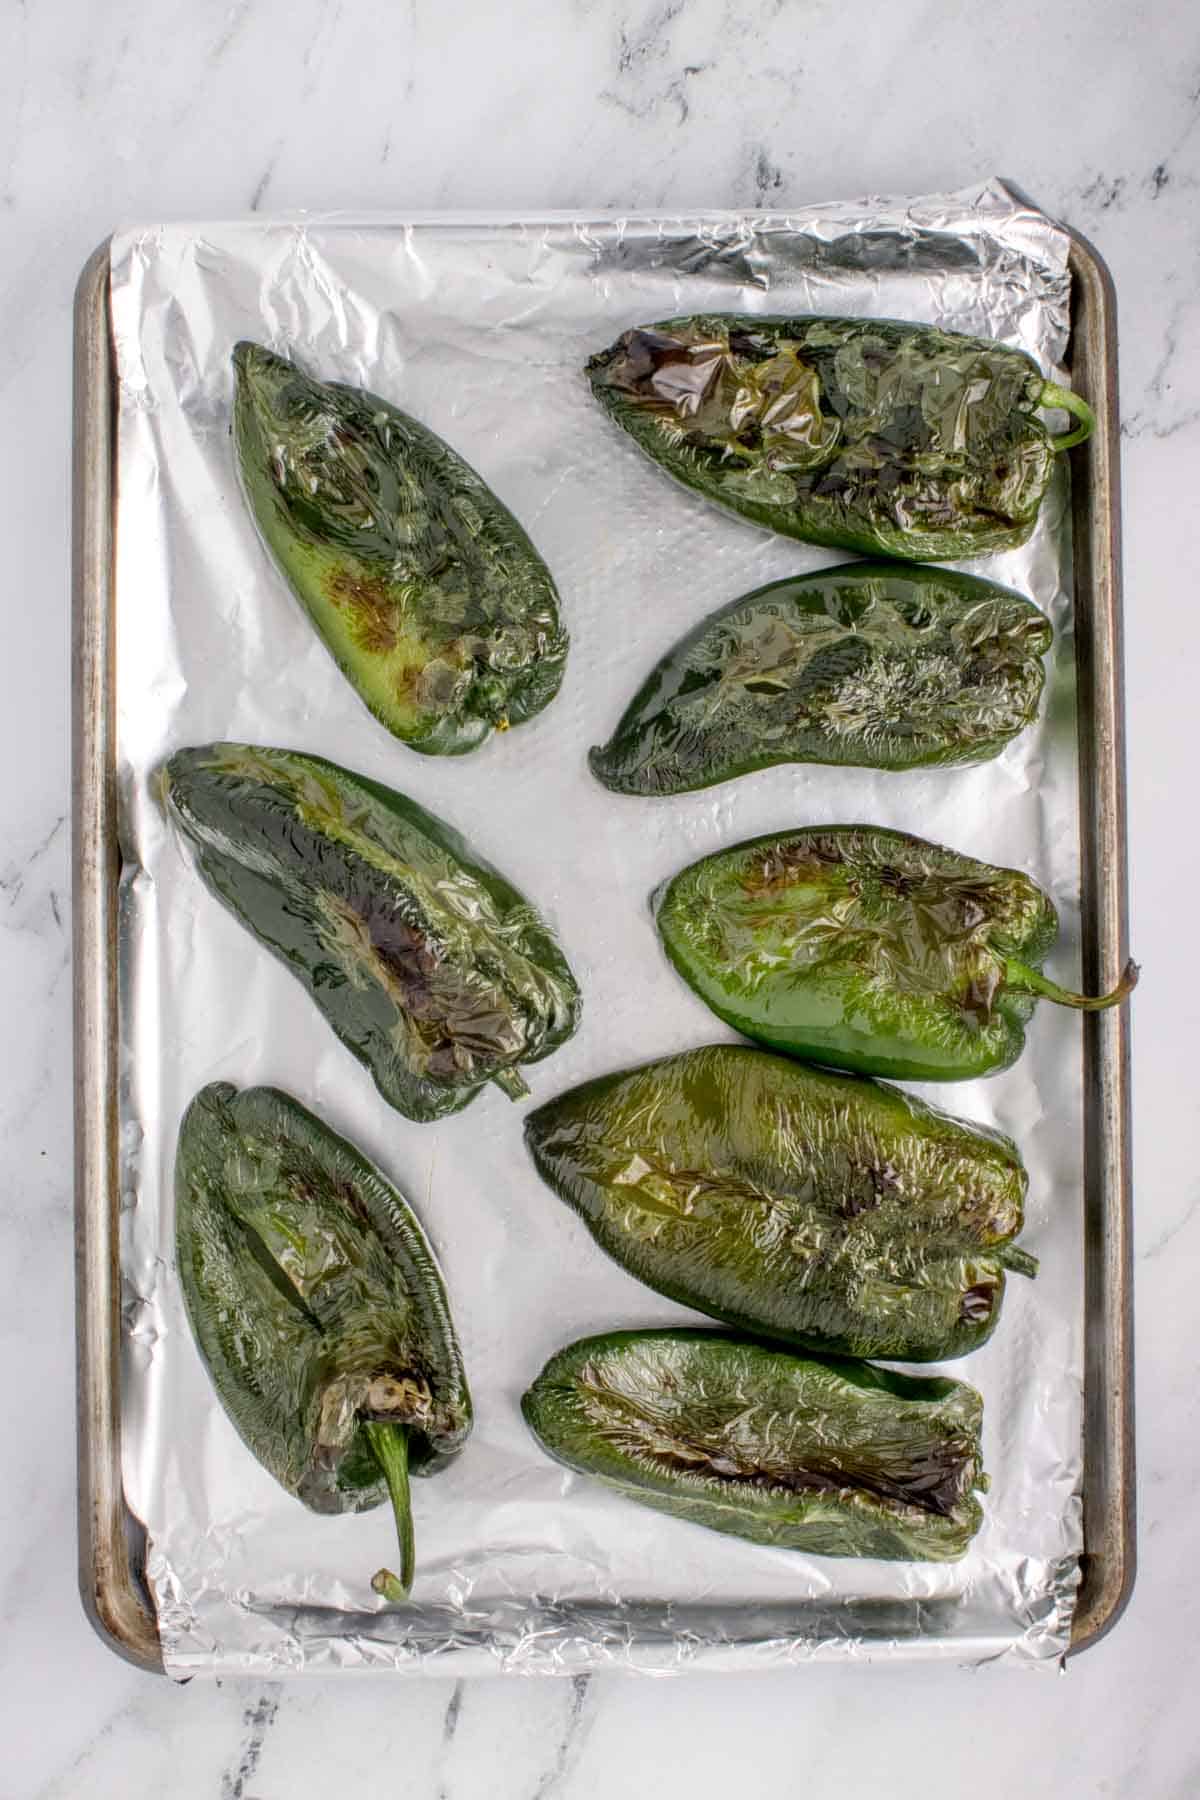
point(814, 1209)
point(873, 435)
point(317, 1307)
point(868, 949)
point(871, 664)
point(425, 589)
point(799, 1453)
point(430, 967)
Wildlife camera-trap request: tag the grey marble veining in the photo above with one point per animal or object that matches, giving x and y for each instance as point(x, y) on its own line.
point(133, 111)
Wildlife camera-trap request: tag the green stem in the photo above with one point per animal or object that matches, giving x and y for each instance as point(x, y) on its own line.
point(1024, 980)
point(510, 1082)
point(1011, 1256)
point(390, 1444)
point(1053, 395)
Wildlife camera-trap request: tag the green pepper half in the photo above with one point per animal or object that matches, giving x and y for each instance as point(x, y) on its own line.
point(868, 949)
point(835, 1458)
point(434, 971)
point(873, 664)
point(869, 434)
point(430, 596)
point(318, 1308)
point(818, 1209)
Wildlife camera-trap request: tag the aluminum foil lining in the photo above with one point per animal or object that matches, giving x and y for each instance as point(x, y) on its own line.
point(480, 327)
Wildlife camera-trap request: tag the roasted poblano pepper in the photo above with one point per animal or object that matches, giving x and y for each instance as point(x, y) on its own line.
point(868, 949)
point(317, 1306)
point(429, 594)
point(819, 1209)
point(865, 433)
point(835, 1458)
point(872, 663)
point(431, 969)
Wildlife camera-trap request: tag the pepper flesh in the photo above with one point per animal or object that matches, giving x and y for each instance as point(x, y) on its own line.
point(834, 1458)
point(434, 971)
point(870, 434)
point(868, 949)
point(872, 664)
point(317, 1307)
point(817, 1209)
point(430, 596)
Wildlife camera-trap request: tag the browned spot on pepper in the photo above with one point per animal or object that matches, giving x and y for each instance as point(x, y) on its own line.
point(371, 606)
point(980, 992)
point(767, 871)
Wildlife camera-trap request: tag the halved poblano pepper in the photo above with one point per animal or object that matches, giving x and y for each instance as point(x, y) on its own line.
point(830, 1457)
point(870, 434)
point(428, 593)
point(868, 949)
point(873, 664)
point(317, 1307)
point(818, 1209)
point(434, 971)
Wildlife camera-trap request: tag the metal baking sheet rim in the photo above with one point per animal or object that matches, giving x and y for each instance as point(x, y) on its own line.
point(114, 1595)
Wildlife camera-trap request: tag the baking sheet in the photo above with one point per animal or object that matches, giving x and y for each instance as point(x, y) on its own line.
point(479, 328)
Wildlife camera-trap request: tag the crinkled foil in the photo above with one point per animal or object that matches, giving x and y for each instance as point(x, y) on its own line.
point(480, 328)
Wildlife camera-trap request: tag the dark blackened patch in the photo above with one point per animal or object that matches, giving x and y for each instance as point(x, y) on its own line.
point(878, 1179)
point(978, 1303)
point(1158, 180)
point(894, 881)
point(257, 1720)
point(933, 1476)
point(659, 368)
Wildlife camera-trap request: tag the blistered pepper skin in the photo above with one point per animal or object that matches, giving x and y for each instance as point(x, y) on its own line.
point(431, 968)
point(425, 589)
point(867, 949)
point(815, 1209)
point(316, 1304)
point(832, 1458)
point(871, 664)
point(873, 435)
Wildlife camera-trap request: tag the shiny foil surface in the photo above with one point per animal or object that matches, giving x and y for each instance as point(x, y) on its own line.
point(480, 328)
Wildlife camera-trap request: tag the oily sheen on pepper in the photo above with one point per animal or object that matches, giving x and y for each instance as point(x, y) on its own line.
point(421, 583)
point(317, 1307)
point(798, 1453)
point(868, 949)
point(431, 968)
point(876, 435)
point(871, 664)
point(821, 1210)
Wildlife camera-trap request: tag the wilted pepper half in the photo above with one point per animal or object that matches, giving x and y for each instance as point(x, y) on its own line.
point(836, 1458)
point(870, 434)
point(317, 1307)
point(872, 663)
point(868, 949)
point(422, 584)
point(433, 970)
point(819, 1209)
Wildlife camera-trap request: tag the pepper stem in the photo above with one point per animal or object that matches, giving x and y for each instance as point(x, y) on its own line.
point(1011, 1256)
point(1053, 395)
point(511, 1082)
point(390, 1445)
point(1024, 980)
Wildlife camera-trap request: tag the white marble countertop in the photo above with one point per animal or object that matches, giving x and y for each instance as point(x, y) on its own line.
point(131, 112)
